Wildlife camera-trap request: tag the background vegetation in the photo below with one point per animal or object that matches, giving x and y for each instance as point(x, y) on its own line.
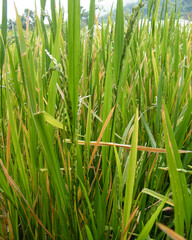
point(182, 6)
point(96, 126)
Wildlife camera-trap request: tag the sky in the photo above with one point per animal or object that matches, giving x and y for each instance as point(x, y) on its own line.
point(30, 4)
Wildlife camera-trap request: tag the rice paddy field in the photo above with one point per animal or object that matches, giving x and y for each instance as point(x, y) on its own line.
point(96, 125)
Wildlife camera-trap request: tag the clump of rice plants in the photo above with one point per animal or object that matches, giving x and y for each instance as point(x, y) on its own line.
point(96, 126)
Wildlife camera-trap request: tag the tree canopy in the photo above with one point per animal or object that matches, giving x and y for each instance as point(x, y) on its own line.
point(27, 13)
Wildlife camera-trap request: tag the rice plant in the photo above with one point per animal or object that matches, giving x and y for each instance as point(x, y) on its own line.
point(96, 125)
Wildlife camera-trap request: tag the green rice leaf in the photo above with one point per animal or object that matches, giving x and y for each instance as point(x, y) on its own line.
point(147, 228)
point(54, 20)
point(106, 110)
point(155, 69)
point(158, 196)
point(119, 39)
point(53, 165)
point(27, 68)
point(74, 56)
point(14, 135)
point(3, 37)
point(91, 28)
point(51, 120)
point(118, 163)
point(89, 208)
point(151, 138)
point(52, 85)
point(178, 180)
point(3, 33)
point(181, 80)
point(131, 175)
point(89, 235)
point(183, 126)
point(159, 100)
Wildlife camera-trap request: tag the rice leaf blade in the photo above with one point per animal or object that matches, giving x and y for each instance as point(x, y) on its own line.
point(119, 39)
point(74, 56)
point(148, 226)
point(131, 175)
point(178, 181)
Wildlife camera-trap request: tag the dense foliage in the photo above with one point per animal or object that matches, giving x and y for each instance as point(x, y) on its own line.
point(182, 6)
point(95, 126)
